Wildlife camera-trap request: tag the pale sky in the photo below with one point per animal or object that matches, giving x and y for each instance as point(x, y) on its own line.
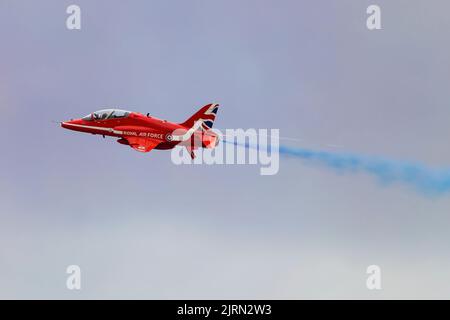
point(140, 227)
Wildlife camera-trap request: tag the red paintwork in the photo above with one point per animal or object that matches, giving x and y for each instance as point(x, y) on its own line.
point(144, 133)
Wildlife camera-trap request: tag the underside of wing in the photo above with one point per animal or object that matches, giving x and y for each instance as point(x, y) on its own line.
point(142, 144)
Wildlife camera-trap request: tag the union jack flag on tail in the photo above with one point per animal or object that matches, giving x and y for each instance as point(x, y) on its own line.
point(206, 115)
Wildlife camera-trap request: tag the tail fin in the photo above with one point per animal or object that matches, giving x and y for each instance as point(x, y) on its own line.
point(207, 115)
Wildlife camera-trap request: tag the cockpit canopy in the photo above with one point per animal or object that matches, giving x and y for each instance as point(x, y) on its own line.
point(107, 114)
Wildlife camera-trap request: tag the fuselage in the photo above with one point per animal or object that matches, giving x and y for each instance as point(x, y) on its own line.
point(126, 124)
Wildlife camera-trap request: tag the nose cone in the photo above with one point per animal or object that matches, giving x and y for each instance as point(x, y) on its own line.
point(67, 124)
point(70, 124)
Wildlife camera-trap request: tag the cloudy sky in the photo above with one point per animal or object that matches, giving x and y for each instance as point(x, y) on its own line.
point(140, 227)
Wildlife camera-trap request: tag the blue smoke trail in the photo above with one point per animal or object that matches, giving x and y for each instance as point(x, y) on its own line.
point(431, 181)
point(423, 178)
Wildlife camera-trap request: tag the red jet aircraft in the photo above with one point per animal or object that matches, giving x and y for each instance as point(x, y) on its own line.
point(144, 133)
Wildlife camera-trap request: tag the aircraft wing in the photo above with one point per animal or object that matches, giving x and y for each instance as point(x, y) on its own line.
point(142, 144)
